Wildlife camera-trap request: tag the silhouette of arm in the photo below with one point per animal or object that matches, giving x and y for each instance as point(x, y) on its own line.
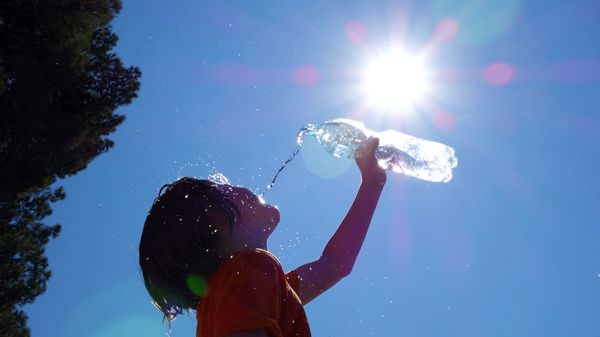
point(340, 253)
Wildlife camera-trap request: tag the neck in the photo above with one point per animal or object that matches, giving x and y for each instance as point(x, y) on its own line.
point(237, 244)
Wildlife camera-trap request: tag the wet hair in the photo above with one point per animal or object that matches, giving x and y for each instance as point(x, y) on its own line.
point(181, 244)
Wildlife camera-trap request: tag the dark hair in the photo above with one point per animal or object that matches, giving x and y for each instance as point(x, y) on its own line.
point(180, 247)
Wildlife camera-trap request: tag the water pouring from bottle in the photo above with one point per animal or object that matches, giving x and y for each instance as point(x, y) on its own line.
point(398, 152)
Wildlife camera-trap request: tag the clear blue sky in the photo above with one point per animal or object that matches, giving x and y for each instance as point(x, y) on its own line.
point(509, 247)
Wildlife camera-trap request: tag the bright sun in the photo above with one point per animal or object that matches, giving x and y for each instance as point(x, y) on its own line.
point(395, 81)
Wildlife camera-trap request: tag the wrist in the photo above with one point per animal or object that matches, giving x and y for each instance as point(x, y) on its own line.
point(377, 178)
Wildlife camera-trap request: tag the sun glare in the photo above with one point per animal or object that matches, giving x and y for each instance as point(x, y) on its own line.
point(395, 81)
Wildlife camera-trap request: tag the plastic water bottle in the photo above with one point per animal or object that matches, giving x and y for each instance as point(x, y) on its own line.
point(399, 152)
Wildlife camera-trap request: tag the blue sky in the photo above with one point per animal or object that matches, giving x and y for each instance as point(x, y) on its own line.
point(509, 247)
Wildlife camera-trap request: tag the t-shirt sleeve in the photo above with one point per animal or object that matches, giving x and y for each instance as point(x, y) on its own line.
point(251, 298)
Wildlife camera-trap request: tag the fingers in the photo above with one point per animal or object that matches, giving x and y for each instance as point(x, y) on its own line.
point(371, 146)
point(373, 143)
point(367, 148)
point(367, 161)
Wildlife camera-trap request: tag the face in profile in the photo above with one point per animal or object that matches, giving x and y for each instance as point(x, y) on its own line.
point(257, 218)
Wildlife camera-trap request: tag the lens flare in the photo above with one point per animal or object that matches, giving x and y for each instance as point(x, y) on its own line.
point(446, 29)
point(306, 76)
point(356, 32)
point(197, 285)
point(498, 74)
point(444, 120)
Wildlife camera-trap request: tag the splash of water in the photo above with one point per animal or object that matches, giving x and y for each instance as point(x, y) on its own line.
point(218, 178)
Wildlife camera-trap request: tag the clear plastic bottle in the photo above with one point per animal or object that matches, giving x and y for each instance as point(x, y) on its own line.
point(399, 152)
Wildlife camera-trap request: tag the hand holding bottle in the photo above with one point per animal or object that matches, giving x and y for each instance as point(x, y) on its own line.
point(368, 164)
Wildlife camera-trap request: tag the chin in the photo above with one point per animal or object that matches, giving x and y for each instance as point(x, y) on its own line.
point(271, 219)
point(273, 216)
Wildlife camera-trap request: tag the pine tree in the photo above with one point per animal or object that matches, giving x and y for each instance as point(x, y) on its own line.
point(60, 84)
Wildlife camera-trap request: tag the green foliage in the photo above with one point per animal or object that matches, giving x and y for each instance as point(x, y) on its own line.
point(14, 323)
point(60, 83)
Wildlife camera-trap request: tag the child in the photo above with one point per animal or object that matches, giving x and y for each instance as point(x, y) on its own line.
point(204, 247)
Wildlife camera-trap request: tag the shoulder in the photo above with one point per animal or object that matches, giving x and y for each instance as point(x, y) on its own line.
point(247, 294)
point(252, 277)
point(259, 259)
point(249, 267)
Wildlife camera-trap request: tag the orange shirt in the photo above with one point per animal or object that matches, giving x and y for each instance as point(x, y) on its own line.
point(251, 291)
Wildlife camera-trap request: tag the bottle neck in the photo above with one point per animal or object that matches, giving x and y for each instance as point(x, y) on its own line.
point(309, 129)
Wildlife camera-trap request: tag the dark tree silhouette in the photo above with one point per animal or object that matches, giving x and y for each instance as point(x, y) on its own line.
point(60, 83)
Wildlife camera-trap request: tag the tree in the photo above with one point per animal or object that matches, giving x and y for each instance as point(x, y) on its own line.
point(60, 84)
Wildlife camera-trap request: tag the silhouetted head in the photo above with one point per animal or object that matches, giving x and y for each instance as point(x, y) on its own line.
point(192, 227)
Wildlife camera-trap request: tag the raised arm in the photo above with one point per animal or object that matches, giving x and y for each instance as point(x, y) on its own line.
point(341, 251)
